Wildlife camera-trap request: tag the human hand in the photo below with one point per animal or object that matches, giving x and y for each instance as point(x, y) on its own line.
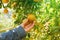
point(27, 26)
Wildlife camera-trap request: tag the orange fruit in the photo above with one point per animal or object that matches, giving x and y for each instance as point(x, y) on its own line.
point(5, 10)
point(31, 18)
point(13, 4)
point(25, 23)
point(5, 1)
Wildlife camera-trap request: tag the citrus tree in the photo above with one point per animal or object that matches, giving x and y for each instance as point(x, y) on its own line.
point(46, 13)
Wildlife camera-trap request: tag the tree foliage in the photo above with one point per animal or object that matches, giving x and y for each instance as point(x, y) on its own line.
point(47, 14)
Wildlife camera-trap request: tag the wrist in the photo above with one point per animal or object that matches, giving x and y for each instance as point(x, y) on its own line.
point(22, 25)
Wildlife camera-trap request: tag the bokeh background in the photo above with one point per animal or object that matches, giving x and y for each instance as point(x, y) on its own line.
point(47, 14)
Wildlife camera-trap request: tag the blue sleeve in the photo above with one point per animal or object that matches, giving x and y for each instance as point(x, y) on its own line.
point(15, 34)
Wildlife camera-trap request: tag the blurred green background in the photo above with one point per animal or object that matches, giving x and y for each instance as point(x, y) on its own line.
point(47, 14)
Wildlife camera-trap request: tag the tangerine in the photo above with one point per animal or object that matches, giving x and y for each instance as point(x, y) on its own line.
point(5, 1)
point(31, 18)
point(5, 10)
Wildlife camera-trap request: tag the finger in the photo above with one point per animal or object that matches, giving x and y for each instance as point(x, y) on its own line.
point(30, 25)
point(28, 28)
point(25, 21)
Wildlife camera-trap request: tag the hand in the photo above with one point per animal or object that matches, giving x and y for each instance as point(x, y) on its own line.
point(27, 26)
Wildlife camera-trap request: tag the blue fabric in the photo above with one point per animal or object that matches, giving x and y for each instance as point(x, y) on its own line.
point(15, 34)
point(21, 32)
point(15, 37)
